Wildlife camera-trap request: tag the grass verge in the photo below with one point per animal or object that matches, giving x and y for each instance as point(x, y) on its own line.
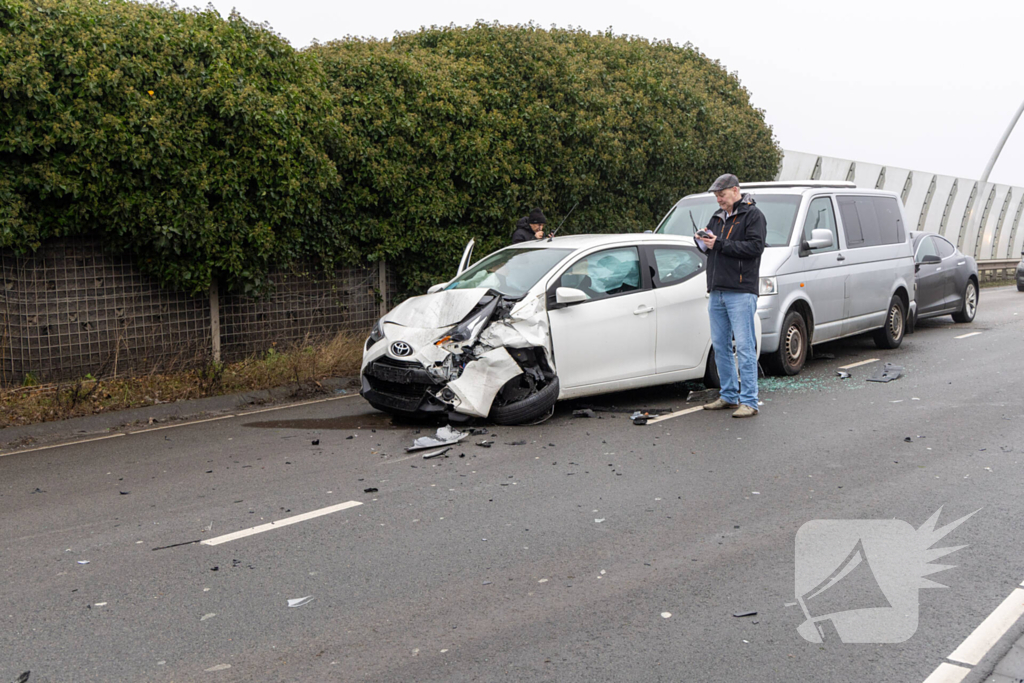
point(303, 364)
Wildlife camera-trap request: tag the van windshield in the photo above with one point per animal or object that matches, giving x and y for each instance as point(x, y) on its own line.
point(779, 213)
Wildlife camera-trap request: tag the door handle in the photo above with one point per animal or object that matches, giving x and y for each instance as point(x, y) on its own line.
point(840, 258)
point(642, 310)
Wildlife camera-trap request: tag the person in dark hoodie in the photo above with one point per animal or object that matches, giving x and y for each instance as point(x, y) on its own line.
point(530, 227)
point(734, 240)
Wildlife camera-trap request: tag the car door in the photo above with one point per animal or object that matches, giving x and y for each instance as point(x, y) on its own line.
point(680, 296)
point(823, 272)
point(952, 292)
point(931, 280)
point(612, 334)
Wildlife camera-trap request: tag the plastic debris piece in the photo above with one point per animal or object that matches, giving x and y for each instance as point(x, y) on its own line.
point(907, 439)
point(370, 490)
point(583, 412)
point(705, 396)
point(516, 443)
point(100, 604)
point(219, 667)
point(83, 562)
point(887, 373)
point(843, 374)
point(487, 583)
point(316, 442)
point(445, 436)
point(744, 614)
point(211, 615)
point(666, 615)
point(124, 493)
point(640, 418)
point(598, 521)
point(485, 444)
point(434, 454)
point(299, 602)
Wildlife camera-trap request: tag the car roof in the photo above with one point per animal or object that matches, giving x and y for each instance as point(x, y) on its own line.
point(577, 242)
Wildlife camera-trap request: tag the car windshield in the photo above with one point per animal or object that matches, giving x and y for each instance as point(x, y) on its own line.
point(510, 271)
point(779, 212)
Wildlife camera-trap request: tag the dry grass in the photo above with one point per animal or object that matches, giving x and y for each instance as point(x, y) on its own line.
point(1002, 282)
point(303, 364)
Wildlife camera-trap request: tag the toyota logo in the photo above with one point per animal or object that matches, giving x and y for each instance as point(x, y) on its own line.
point(401, 349)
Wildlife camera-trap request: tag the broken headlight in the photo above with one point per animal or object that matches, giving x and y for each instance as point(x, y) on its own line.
point(376, 334)
point(466, 333)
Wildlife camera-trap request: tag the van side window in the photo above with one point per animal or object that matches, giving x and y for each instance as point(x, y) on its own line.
point(820, 216)
point(871, 221)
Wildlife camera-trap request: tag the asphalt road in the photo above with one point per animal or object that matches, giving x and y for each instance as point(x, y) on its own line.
point(552, 560)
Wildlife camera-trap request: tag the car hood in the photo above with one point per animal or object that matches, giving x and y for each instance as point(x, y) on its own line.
point(431, 311)
point(772, 259)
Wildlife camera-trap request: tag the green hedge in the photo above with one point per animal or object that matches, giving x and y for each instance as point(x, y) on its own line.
point(208, 147)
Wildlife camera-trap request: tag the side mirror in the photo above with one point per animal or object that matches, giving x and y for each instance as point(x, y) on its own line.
point(931, 258)
point(568, 295)
point(820, 239)
point(437, 288)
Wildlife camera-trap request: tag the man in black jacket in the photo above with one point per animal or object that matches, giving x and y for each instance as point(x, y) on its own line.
point(530, 227)
point(734, 241)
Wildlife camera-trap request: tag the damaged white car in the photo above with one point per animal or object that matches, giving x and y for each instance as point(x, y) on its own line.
point(541, 321)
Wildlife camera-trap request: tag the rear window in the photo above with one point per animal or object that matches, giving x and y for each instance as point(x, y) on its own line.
point(871, 221)
point(779, 214)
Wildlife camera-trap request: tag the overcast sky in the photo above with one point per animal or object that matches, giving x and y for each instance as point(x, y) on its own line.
point(903, 83)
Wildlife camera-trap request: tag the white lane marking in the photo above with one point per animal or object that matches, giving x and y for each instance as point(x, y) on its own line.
point(969, 334)
point(678, 413)
point(180, 424)
point(854, 365)
point(296, 405)
point(948, 673)
point(991, 630)
point(58, 445)
point(280, 523)
point(183, 424)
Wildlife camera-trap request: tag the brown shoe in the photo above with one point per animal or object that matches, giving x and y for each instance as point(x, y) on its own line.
point(745, 411)
point(719, 404)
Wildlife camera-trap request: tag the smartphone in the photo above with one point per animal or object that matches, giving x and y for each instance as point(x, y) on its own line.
point(703, 234)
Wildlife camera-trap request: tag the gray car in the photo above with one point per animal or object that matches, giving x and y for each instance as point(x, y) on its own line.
point(1020, 273)
point(947, 280)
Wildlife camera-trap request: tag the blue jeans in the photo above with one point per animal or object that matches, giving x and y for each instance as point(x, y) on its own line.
point(732, 317)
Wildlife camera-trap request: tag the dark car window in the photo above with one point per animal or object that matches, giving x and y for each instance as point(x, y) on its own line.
point(779, 215)
point(945, 248)
point(871, 221)
point(673, 265)
point(925, 248)
point(820, 216)
point(605, 273)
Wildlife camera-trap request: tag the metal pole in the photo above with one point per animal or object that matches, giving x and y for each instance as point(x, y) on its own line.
point(983, 182)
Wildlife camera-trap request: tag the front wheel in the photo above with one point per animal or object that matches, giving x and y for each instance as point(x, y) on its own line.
point(530, 408)
point(970, 304)
point(794, 346)
point(890, 336)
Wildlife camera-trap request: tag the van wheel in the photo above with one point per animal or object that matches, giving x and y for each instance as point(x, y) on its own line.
point(794, 346)
point(970, 306)
point(890, 336)
point(711, 379)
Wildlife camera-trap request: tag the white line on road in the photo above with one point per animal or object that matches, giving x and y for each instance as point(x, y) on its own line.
point(180, 424)
point(948, 673)
point(58, 445)
point(854, 365)
point(280, 523)
point(678, 413)
point(991, 630)
point(969, 334)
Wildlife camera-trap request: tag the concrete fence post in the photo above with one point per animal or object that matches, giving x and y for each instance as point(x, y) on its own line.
point(215, 321)
point(382, 285)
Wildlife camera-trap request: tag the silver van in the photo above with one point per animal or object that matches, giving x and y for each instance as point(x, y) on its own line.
point(837, 262)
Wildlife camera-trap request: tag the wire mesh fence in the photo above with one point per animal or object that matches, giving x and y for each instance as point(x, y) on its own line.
point(72, 310)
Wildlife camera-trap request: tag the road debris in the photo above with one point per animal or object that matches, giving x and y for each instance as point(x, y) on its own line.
point(583, 412)
point(219, 667)
point(175, 545)
point(316, 442)
point(83, 562)
point(516, 443)
point(887, 374)
point(299, 602)
point(370, 490)
point(445, 436)
point(211, 615)
point(843, 374)
point(598, 521)
point(666, 615)
point(434, 454)
point(705, 396)
point(745, 614)
point(640, 418)
point(485, 444)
